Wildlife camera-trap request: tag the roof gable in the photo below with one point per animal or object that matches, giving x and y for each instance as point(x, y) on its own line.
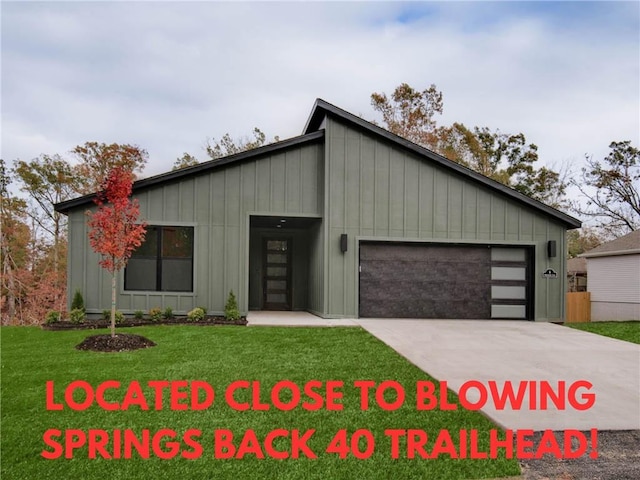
point(314, 131)
point(200, 168)
point(322, 108)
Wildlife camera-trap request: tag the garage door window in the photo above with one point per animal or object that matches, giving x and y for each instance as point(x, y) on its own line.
point(509, 271)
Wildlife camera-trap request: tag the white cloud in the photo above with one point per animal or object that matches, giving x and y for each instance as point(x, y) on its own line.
point(167, 75)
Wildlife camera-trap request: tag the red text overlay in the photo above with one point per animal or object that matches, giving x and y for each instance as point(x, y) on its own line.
point(285, 395)
point(317, 395)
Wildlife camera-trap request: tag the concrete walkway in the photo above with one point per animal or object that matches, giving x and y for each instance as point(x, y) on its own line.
point(295, 319)
point(461, 350)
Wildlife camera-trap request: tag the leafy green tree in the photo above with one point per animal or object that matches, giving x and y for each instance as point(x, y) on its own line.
point(96, 160)
point(580, 240)
point(506, 158)
point(409, 113)
point(186, 160)
point(228, 146)
point(48, 180)
point(612, 189)
point(15, 241)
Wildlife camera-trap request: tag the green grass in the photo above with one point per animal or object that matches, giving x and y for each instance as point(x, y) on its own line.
point(628, 331)
point(220, 355)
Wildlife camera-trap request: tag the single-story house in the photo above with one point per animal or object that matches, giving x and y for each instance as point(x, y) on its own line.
point(613, 269)
point(345, 220)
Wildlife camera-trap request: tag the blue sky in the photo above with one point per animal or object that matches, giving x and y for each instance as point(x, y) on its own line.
point(167, 75)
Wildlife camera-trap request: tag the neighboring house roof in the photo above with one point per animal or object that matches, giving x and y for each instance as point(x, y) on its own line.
point(576, 265)
point(314, 131)
point(627, 245)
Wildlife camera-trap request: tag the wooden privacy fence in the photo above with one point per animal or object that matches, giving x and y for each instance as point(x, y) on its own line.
point(578, 307)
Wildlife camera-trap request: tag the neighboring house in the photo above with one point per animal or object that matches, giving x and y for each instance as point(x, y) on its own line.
point(614, 279)
point(577, 274)
point(345, 220)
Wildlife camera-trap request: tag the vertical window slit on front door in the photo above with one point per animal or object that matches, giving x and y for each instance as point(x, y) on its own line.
point(277, 274)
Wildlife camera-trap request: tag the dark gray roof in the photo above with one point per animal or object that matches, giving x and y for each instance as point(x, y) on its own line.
point(626, 245)
point(323, 108)
point(199, 169)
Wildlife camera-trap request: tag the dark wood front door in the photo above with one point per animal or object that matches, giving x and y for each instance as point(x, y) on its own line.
point(276, 283)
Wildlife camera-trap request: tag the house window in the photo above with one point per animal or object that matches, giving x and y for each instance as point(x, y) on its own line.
point(163, 263)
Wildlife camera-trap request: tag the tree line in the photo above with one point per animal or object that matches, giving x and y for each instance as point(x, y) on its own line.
point(33, 247)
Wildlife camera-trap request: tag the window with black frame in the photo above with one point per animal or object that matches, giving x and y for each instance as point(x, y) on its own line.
point(164, 262)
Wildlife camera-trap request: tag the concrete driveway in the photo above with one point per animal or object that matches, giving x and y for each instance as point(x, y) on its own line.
point(461, 350)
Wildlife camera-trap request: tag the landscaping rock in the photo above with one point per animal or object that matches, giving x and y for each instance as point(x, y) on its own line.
point(618, 459)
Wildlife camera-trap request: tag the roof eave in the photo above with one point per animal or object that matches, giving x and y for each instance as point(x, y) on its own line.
point(613, 253)
point(66, 206)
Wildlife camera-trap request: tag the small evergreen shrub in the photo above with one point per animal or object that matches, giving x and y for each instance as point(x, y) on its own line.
point(196, 314)
point(231, 311)
point(78, 302)
point(106, 315)
point(168, 312)
point(204, 309)
point(138, 314)
point(77, 315)
point(52, 317)
point(155, 314)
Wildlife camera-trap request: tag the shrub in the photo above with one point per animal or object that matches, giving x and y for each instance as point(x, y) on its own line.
point(196, 314)
point(106, 315)
point(138, 314)
point(52, 317)
point(155, 314)
point(78, 302)
point(77, 315)
point(231, 311)
point(168, 312)
point(204, 309)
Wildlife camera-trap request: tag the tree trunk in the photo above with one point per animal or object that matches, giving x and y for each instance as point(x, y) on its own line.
point(56, 261)
point(113, 304)
point(56, 243)
point(10, 286)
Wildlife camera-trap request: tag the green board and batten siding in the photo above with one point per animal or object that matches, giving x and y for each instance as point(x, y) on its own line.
point(217, 204)
point(353, 179)
point(379, 191)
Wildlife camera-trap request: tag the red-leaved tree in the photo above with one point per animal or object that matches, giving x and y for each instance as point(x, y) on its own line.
point(115, 229)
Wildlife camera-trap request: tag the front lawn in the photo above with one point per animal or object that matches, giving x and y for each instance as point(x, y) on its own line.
point(628, 331)
point(220, 356)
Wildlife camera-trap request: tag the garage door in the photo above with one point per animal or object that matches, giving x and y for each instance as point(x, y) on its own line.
point(443, 281)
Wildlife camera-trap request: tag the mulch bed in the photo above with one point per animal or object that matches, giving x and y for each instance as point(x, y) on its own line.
point(121, 342)
point(132, 322)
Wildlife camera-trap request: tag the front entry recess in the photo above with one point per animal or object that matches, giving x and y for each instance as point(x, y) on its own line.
point(277, 274)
